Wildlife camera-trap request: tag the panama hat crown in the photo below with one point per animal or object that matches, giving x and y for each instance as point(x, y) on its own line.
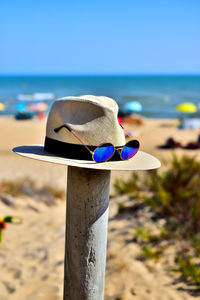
point(93, 118)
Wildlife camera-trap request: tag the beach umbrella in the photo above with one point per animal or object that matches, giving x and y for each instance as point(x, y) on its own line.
point(187, 107)
point(21, 107)
point(1, 106)
point(38, 107)
point(133, 106)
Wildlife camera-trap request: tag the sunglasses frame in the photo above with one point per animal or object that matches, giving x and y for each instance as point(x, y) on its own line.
point(93, 152)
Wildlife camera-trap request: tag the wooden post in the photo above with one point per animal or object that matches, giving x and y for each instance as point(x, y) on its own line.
point(86, 233)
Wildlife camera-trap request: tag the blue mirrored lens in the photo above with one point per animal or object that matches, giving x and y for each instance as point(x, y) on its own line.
point(130, 149)
point(103, 152)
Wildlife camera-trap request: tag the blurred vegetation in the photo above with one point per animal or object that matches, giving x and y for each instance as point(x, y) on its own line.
point(173, 196)
point(131, 186)
point(28, 187)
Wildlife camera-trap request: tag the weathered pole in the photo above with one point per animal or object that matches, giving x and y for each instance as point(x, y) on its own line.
point(86, 233)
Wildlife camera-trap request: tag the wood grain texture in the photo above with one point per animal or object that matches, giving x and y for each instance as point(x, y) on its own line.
point(86, 233)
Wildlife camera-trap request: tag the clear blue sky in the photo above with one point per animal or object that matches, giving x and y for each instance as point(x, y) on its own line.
point(99, 37)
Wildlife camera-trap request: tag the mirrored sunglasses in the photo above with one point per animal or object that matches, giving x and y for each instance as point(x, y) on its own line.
point(105, 151)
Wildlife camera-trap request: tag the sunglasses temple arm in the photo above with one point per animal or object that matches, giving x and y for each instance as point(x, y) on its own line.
point(72, 131)
point(125, 131)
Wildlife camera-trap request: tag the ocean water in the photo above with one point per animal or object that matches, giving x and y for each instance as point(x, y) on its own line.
point(158, 95)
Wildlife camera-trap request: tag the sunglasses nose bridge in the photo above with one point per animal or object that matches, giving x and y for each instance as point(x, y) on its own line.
point(119, 150)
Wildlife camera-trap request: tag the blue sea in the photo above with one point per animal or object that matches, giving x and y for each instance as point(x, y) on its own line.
point(158, 95)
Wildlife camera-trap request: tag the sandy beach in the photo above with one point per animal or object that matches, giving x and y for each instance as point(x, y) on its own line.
point(32, 254)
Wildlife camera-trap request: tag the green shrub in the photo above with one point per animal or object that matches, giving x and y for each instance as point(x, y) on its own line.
point(151, 253)
point(28, 187)
point(188, 269)
point(176, 193)
point(127, 187)
point(173, 195)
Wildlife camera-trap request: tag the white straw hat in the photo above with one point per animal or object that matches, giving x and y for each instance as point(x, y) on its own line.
point(94, 120)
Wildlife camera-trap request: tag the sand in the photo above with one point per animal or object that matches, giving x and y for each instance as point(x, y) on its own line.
point(32, 254)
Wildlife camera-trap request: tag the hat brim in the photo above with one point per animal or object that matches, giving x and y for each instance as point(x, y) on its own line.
point(141, 161)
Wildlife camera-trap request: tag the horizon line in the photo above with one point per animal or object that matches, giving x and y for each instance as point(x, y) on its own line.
point(98, 74)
